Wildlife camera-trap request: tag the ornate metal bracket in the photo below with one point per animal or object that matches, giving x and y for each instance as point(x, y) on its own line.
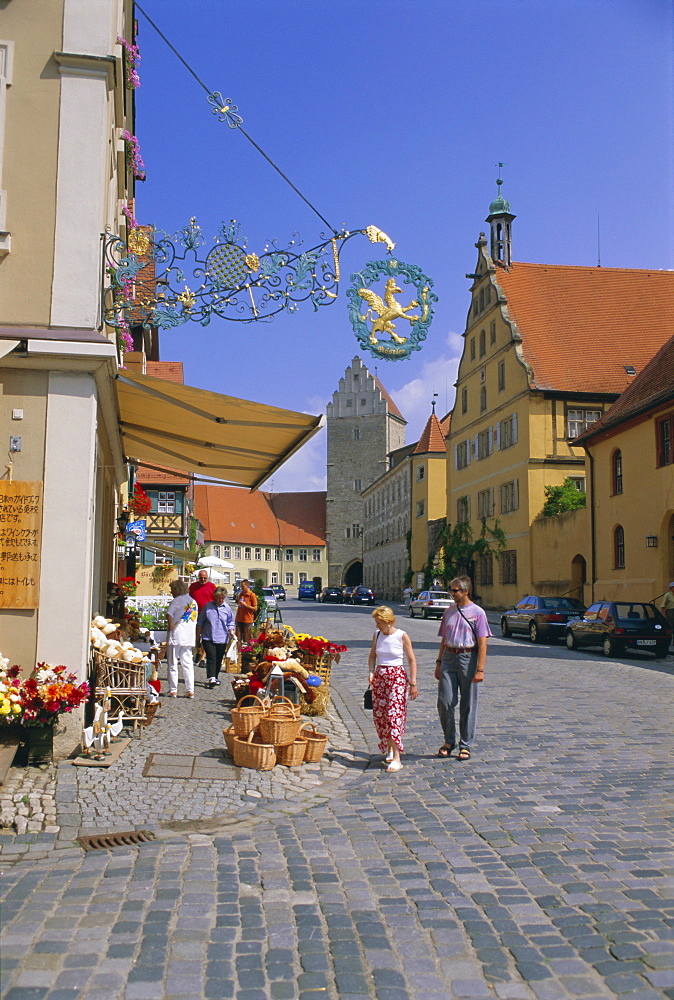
point(154, 279)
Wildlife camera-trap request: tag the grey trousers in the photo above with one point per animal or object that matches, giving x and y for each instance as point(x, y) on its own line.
point(456, 687)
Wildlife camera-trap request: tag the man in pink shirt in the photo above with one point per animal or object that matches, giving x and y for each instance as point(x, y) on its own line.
point(459, 668)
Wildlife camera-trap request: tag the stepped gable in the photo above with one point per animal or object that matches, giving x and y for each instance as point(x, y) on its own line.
point(580, 326)
point(432, 438)
point(170, 371)
point(652, 387)
point(232, 514)
point(389, 402)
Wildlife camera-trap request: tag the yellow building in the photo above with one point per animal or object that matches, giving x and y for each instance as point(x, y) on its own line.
point(429, 496)
point(631, 488)
point(548, 348)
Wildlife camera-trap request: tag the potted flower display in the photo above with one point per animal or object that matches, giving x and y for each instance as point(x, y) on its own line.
point(33, 704)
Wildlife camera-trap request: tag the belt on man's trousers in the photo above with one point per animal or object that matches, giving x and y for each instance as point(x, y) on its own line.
point(463, 649)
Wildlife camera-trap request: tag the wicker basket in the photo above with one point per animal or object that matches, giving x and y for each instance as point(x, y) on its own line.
point(280, 725)
point(230, 736)
point(246, 718)
point(282, 700)
point(316, 743)
point(293, 754)
point(250, 753)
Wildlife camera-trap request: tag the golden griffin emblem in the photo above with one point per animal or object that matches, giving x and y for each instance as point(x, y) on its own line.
point(383, 312)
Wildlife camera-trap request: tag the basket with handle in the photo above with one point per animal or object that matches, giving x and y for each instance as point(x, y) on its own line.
point(249, 752)
point(292, 755)
point(245, 718)
point(280, 725)
point(281, 699)
point(230, 736)
point(316, 743)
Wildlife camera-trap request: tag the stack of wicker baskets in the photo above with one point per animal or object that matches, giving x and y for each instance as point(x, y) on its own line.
point(264, 735)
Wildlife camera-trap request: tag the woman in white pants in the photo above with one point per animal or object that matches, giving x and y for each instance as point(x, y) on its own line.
point(181, 616)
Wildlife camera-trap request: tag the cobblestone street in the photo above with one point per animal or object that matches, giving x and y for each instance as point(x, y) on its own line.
point(542, 868)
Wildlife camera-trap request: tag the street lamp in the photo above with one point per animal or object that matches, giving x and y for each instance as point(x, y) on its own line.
point(651, 541)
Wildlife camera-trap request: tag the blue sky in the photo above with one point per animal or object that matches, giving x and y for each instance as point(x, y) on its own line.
point(395, 113)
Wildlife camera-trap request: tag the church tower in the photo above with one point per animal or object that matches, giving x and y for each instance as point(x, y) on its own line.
point(364, 425)
point(500, 221)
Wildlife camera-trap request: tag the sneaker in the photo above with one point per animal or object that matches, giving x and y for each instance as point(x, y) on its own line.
point(211, 682)
point(217, 682)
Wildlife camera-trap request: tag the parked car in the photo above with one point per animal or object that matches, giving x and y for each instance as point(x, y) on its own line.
point(362, 595)
point(347, 594)
point(306, 590)
point(620, 625)
point(430, 604)
point(279, 590)
point(331, 594)
point(270, 597)
point(541, 617)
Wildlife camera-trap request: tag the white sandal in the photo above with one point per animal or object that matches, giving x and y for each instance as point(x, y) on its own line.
point(394, 766)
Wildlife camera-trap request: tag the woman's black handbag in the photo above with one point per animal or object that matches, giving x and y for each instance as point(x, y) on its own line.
point(367, 700)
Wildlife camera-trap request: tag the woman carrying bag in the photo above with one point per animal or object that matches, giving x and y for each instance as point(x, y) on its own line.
point(390, 684)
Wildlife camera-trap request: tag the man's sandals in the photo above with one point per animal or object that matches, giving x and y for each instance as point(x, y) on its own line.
point(445, 751)
point(463, 754)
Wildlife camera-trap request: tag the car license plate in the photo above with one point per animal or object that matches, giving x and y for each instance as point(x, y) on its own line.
point(645, 642)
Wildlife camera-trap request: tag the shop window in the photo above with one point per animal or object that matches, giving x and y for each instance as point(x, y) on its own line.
point(665, 434)
point(578, 420)
point(619, 548)
point(617, 472)
point(508, 566)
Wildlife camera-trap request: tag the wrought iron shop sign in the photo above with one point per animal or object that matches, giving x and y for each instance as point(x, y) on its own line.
point(382, 312)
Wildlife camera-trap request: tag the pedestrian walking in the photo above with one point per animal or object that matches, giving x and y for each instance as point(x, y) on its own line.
point(215, 629)
point(202, 590)
point(407, 596)
point(390, 684)
point(181, 616)
point(246, 607)
point(459, 668)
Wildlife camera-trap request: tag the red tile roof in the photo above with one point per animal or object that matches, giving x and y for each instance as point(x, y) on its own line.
point(581, 325)
point(651, 388)
point(391, 405)
point(231, 514)
point(432, 438)
point(171, 371)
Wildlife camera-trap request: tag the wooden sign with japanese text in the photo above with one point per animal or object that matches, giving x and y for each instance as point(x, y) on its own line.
point(20, 544)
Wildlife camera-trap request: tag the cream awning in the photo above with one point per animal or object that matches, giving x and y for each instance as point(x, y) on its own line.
point(174, 426)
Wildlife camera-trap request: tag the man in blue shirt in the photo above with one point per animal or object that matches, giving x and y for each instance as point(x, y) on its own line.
point(215, 629)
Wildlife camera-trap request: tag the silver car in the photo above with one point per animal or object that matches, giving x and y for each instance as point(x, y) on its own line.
point(430, 604)
point(270, 598)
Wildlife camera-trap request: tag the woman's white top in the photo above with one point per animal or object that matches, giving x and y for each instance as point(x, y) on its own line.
point(389, 648)
point(183, 611)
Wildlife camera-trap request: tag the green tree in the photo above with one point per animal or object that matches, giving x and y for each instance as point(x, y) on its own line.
point(460, 549)
point(560, 499)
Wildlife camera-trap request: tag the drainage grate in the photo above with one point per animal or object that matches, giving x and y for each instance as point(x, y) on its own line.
point(104, 841)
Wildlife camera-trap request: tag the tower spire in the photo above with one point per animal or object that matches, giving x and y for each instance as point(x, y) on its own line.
point(500, 222)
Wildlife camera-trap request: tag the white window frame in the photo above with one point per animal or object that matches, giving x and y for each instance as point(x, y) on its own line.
point(167, 505)
point(315, 555)
point(289, 579)
point(302, 555)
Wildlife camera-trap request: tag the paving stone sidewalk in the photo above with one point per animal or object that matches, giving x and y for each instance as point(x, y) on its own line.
point(542, 869)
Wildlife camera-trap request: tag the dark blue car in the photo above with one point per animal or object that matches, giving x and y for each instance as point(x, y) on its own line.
point(617, 626)
point(541, 617)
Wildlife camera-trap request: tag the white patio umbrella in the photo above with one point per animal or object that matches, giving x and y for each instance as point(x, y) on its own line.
point(214, 561)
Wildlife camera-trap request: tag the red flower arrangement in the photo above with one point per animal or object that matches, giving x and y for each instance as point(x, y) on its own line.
point(129, 585)
point(317, 645)
point(140, 503)
point(42, 696)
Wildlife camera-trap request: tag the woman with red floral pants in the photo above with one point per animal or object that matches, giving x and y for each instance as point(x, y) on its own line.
point(390, 684)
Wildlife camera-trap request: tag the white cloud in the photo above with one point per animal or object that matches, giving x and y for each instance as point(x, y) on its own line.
point(305, 472)
point(438, 375)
